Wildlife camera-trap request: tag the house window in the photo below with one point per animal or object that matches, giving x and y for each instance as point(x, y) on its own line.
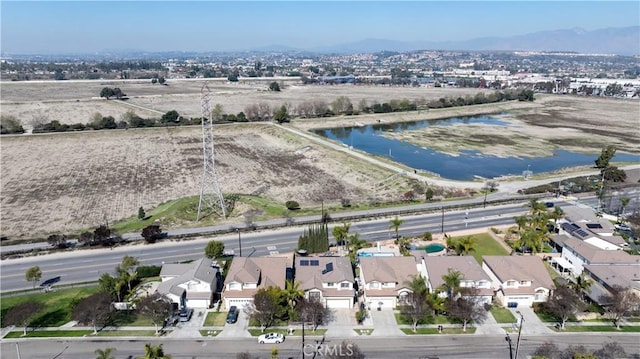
point(314, 296)
point(331, 284)
point(402, 299)
point(374, 285)
point(344, 285)
point(234, 286)
point(524, 282)
point(511, 283)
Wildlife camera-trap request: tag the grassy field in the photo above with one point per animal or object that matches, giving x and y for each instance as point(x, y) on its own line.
point(486, 246)
point(438, 319)
point(81, 333)
point(597, 328)
point(57, 305)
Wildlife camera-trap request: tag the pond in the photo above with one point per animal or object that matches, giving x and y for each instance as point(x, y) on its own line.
point(468, 164)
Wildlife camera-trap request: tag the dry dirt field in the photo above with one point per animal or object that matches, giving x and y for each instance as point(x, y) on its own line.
point(64, 182)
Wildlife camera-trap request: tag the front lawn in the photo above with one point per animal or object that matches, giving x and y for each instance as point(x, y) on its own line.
point(438, 319)
point(363, 331)
point(209, 333)
point(215, 319)
point(598, 328)
point(408, 331)
point(49, 334)
point(502, 315)
point(57, 305)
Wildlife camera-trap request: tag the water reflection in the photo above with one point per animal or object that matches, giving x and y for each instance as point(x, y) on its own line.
point(467, 164)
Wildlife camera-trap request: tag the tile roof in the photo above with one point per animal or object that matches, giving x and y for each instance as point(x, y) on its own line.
point(520, 268)
point(311, 277)
point(594, 254)
point(265, 271)
point(438, 266)
point(399, 270)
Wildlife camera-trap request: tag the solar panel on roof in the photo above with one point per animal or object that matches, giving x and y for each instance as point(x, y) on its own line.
point(329, 267)
point(314, 262)
point(304, 262)
point(593, 225)
point(581, 233)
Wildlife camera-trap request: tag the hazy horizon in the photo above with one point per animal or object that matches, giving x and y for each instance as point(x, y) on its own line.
point(55, 27)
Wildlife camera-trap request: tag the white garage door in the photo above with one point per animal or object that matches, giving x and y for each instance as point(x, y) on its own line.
point(339, 303)
point(385, 303)
point(197, 303)
point(240, 303)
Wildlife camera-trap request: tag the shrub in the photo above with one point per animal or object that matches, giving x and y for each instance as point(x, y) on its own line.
point(292, 205)
point(148, 271)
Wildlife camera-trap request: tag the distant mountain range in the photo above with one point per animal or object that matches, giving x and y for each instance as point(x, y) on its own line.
point(620, 41)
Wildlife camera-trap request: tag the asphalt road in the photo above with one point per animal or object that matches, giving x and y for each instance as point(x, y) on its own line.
point(421, 347)
point(87, 265)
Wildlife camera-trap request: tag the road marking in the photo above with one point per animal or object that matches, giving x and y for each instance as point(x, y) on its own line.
point(271, 248)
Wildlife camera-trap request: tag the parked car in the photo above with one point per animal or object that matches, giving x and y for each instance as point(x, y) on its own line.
point(271, 338)
point(186, 314)
point(232, 317)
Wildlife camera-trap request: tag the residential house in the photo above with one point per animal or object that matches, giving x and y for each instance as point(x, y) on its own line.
point(246, 275)
point(472, 275)
point(605, 277)
point(328, 280)
point(385, 280)
point(518, 280)
point(190, 284)
point(576, 254)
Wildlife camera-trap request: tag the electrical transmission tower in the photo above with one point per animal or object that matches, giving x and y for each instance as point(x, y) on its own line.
point(210, 194)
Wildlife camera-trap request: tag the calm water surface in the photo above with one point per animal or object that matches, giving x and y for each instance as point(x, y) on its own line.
point(467, 164)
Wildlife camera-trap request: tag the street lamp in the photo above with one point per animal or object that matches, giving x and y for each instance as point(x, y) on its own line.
point(508, 339)
point(519, 332)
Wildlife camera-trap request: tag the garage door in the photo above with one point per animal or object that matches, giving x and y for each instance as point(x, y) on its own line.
point(339, 303)
point(385, 303)
point(197, 303)
point(240, 303)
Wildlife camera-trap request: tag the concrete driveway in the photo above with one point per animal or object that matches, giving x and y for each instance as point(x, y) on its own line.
point(342, 325)
point(384, 322)
point(237, 329)
point(190, 329)
point(532, 324)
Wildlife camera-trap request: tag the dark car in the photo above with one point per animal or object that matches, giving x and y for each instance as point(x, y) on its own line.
point(185, 314)
point(232, 317)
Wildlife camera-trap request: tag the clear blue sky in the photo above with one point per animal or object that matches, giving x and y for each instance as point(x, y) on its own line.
point(29, 27)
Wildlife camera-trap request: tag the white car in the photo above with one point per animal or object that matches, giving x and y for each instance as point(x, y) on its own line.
point(271, 338)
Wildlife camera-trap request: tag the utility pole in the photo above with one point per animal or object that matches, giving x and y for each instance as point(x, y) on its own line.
point(519, 332)
point(508, 339)
point(239, 241)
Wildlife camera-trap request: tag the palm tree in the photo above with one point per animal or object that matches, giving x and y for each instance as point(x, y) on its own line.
point(465, 245)
point(582, 284)
point(395, 224)
point(624, 201)
point(452, 281)
point(154, 352)
point(521, 222)
point(292, 293)
point(340, 233)
point(418, 285)
point(105, 354)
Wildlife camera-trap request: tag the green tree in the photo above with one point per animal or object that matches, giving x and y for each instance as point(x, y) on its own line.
point(624, 201)
point(106, 353)
point(170, 116)
point(614, 174)
point(126, 270)
point(33, 274)
point(315, 239)
point(606, 155)
point(214, 249)
point(340, 233)
point(292, 293)
point(416, 306)
point(93, 310)
point(428, 194)
point(155, 307)
point(10, 124)
point(274, 86)
point(452, 281)
point(151, 233)
point(267, 306)
point(465, 245)
point(107, 92)
point(342, 105)
point(581, 284)
point(281, 114)
point(395, 224)
point(154, 352)
point(141, 213)
point(21, 314)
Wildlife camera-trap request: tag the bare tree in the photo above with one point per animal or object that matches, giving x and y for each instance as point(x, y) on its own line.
point(56, 240)
point(314, 312)
point(155, 307)
point(93, 310)
point(547, 350)
point(564, 303)
point(611, 350)
point(467, 308)
point(619, 303)
point(267, 306)
point(21, 314)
